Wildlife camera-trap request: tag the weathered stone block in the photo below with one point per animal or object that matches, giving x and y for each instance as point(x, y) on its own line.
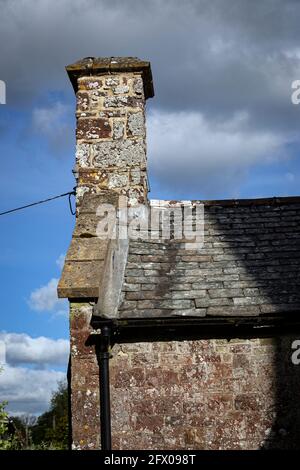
point(138, 86)
point(169, 304)
point(90, 83)
point(249, 402)
point(87, 249)
point(118, 129)
point(115, 101)
point(218, 293)
point(117, 180)
point(83, 155)
point(121, 89)
point(126, 153)
point(112, 81)
point(251, 300)
point(205, 302)
point(136, 124)
point(91, 129)
point(80, 279)
point(83, 101)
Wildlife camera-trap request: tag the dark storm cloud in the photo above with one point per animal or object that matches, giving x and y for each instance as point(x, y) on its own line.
point(220, 59)
point(219, 56)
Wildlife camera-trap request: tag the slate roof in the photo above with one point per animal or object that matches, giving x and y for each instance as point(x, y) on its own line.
point(248, 266)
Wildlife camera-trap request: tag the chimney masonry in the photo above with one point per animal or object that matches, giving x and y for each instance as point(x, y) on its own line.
point(111, 133)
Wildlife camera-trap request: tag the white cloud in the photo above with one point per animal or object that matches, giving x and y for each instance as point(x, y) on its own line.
point(45, 299)
point(28, 390)
point(54, 124)
point(187, 150)
point(26, 380)
point(223, 55)
point(290, 176)
point(41, 351)
point(44, 119)
point(60, 260)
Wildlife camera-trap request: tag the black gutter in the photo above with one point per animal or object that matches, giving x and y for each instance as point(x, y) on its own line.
point(125, 330)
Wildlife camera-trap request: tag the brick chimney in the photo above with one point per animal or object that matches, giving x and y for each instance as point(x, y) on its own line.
point(111, 134)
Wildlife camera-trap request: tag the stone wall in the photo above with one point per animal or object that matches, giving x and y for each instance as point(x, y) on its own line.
point(83, 381)
point(206, 394)
point(111, 136)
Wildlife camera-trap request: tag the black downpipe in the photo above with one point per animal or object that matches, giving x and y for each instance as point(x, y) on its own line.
point(103, 355)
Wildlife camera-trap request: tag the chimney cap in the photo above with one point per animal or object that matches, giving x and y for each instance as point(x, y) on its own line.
point(98, 65)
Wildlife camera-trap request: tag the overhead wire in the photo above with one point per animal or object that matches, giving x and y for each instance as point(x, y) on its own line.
point(69, 194)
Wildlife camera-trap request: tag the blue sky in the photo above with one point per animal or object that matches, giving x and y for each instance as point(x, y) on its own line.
point(221, 125)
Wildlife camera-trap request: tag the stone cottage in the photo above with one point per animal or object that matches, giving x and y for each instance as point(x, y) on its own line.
point(193, 339)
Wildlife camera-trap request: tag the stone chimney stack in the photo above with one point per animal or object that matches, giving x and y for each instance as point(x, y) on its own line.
point(111, 133)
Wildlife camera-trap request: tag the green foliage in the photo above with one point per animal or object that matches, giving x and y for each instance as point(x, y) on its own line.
point(51, 430)
point(48, 432)
point(4, 443)
point(7, 442)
